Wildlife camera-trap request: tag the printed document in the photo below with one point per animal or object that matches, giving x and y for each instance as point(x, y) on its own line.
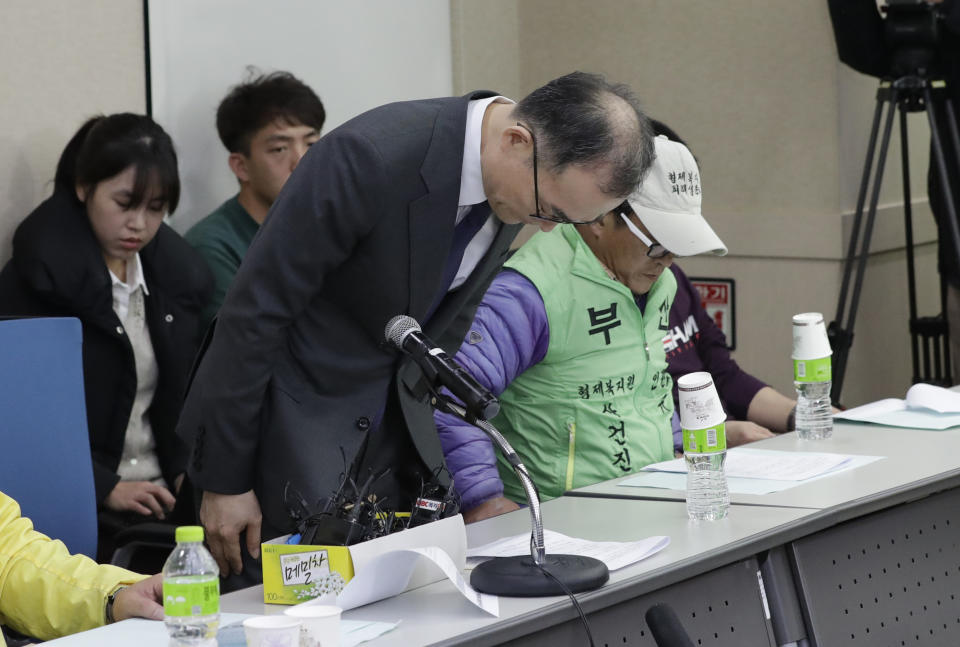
point(925, 407)
point(744, 462)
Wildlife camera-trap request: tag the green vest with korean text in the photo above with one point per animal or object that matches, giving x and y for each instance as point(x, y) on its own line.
point(599, 404)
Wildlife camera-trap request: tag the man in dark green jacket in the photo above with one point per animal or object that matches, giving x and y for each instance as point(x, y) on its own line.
point(267, 124)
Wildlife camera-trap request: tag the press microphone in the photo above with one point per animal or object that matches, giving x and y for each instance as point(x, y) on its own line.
point(519, 575)
point(666, 628)
point(404, 332)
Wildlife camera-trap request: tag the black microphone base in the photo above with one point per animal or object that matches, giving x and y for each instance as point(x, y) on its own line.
point(519, 576)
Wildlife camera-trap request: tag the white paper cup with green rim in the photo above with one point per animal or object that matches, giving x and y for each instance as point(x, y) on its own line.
point(811, 349)
point(810, 339)
point(701, 414)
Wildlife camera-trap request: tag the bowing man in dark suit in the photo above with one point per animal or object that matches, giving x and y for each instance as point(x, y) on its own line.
point(296, 384)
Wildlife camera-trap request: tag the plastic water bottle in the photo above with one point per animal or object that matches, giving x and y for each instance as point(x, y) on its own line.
point(702, 420)
point(708, 497)
point(812, 377)
point(191, 591)
point(814, 414)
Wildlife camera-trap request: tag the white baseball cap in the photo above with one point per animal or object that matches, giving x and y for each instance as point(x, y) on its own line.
point(668, 203)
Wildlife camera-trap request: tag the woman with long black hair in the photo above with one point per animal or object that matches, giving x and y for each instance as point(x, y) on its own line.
point(98, 250)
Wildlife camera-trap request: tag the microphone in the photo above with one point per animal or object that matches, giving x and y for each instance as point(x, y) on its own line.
point(404, 332)
point(534, 575)
point(666, 628)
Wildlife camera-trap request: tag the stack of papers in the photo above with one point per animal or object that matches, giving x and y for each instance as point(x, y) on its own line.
point(615, 554)
point(925, 407)
point(744, 462)
point(754, 471)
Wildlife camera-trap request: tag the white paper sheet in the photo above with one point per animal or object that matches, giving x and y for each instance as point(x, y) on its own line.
point(769, 464)
point(925, 407)
point(357, 632)
point(389, 574)
point(678, 481)
point(615, 554)
point(932, 397)
point(449, 534)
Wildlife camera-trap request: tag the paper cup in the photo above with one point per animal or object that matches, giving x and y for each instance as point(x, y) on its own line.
point(320, 624)
point(810, 339)
point(272, 631)
point(699, 403)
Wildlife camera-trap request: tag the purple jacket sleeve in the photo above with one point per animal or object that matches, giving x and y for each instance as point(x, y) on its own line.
point(735, 386)
point(509, 334)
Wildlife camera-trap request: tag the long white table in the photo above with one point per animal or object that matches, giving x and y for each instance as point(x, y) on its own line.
point(862, 557)
point(438, 614)
point(877, 562)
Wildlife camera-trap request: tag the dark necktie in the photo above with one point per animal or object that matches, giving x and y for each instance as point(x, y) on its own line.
point(463, 233)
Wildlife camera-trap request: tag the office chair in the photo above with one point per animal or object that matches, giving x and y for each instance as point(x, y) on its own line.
point(45, 462)
point(45, 459)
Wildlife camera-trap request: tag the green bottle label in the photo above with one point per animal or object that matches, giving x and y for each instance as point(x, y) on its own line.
point(191, 596)
point(812, 370)
point(705, 441)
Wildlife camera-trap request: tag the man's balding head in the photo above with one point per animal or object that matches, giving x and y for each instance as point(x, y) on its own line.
point(582, 120)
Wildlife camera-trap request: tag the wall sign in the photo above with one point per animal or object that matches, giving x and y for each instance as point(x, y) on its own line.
point(717, 298)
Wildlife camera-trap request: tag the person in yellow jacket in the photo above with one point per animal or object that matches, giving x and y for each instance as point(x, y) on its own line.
point(45, 592)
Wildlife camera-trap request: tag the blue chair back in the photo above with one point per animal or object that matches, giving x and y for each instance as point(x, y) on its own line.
point(45, 459)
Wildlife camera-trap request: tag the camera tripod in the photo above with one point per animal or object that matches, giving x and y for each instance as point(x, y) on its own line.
point(928, 335)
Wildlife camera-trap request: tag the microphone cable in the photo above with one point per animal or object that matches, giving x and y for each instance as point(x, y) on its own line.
point(573, 598)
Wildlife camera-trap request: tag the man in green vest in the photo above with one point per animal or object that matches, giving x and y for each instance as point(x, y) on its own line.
point(570, 337)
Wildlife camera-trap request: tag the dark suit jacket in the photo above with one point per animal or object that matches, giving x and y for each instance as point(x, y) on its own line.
point(296, 375)
point(57, 270)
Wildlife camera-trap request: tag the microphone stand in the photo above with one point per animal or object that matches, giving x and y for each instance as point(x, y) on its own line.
point(539, 574)
point(537, 549)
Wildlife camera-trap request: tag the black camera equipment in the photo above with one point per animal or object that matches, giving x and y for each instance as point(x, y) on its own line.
point(349, 516)
point(436, 501)
point(352, 514)
point(912, 34)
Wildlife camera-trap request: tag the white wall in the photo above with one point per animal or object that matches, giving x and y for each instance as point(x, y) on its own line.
point(355, 55)
point(60, 63)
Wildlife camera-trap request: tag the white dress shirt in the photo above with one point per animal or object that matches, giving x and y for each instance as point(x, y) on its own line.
point(138, 462)
point(471, 190)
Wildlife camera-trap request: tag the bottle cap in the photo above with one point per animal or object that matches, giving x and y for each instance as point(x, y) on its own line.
point(699, 403)
point(810, 339)
point(189, 534)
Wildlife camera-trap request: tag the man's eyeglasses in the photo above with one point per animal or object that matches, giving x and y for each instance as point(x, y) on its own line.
point(559, 218)
point(654, 250)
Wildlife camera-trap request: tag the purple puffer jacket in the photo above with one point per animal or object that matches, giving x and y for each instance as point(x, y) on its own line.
point(509, 334)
